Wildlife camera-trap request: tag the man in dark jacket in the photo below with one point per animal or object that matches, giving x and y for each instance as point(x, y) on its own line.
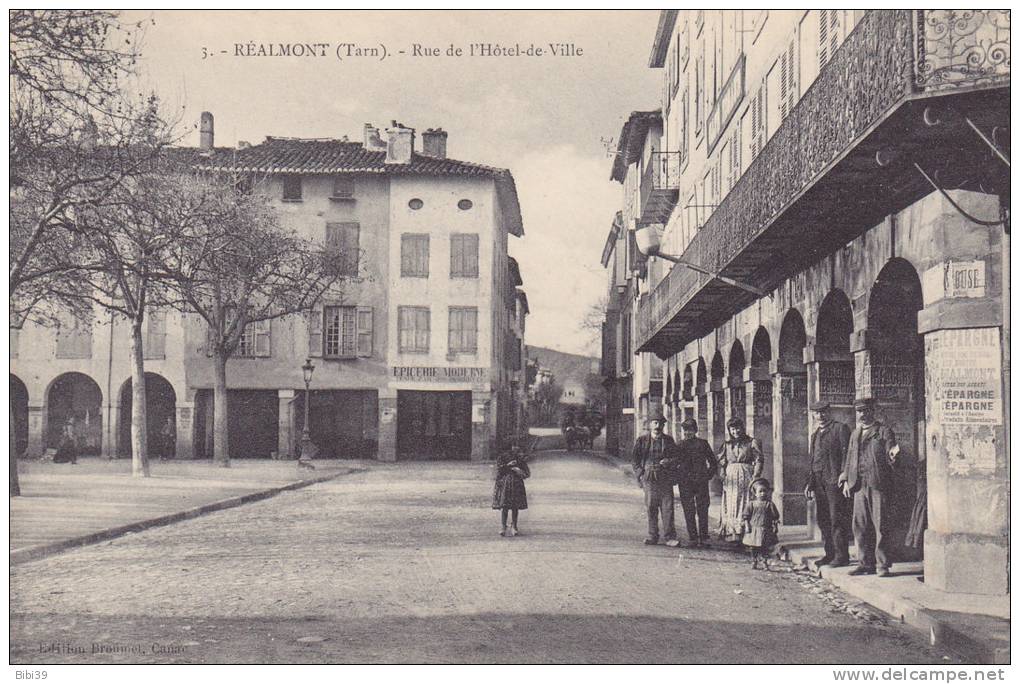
point(697, 465)
point(867, 475)
point(654, 460)
point(827, 452)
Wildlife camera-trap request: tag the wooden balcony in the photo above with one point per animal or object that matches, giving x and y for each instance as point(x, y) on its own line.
point(816, 185)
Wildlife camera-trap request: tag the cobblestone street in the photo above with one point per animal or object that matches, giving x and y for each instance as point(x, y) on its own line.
point(404, 563)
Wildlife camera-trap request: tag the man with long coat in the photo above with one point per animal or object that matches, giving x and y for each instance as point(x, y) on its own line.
point(827, 452)
point(868, 476)
point(697, 465)
point(654, 459)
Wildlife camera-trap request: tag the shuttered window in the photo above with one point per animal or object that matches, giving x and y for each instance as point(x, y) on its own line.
point(758, 122)
point(414, 255)
point(155, 334)
point(255, 340)
point(342, 332)
point(463, 337)
point(828, 35)
point(788, 80)
point(343, 187)
point(413, 329)
point(291, 188)
point(464, 255)
point(343, 240)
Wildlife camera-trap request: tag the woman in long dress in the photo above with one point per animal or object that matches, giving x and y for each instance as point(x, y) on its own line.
point(740, 463)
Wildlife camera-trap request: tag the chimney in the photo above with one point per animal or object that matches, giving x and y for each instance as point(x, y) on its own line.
point(400, 144)
point(433, 143)
point(205, 132)
point(373, 141)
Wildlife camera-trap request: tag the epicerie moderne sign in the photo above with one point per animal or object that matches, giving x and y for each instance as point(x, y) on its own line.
point(440, 374)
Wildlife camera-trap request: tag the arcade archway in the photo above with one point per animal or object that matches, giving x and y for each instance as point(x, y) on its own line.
point(75, 398)
point(160, 406)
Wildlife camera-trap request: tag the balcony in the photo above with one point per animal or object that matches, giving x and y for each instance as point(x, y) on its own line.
point(816, 186)
point(660, 187)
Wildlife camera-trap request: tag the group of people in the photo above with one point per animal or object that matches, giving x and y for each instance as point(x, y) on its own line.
point(68, 442)
point(660, 464)
point(851, 479)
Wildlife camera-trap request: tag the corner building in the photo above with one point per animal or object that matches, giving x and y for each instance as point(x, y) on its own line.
point(854, 166)
point(416, 359)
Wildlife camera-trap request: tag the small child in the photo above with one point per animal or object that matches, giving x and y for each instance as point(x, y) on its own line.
point(761, 522)
point(508, 494)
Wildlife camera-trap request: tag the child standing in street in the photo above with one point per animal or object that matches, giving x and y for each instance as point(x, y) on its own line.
point(761, 522)
point(508, 494)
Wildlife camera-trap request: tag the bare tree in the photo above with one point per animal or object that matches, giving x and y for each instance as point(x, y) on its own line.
point(74, 138)
point(239, 266)
point(591, 323)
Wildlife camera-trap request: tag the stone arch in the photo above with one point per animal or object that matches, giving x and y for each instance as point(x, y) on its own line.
point(77, 397)
point(160, 404)
point(835, 322)
point(791, 426)
point(894, 377)
point(761, 349)
point(759, 399)
point(19, 414)
point(717, 371)
point(737, 360)
point(833, 363)
point(718, 368)
point(737, 394)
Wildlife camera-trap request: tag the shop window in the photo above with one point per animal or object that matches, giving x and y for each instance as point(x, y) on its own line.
point(343, 241)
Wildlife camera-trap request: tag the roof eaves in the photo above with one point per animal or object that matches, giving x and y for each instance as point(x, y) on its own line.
point(660, 44)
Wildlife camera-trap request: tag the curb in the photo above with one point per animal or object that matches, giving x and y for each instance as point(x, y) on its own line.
point(43, 550)
point(971, 646)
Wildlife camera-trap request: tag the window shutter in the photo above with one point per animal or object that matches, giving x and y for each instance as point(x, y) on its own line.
point(364, 331)
point(262, 338)
point(758, 122)
point(823, 38)
point(735, 156)
point(314, 333)
point(792, 91)
point(350, 246)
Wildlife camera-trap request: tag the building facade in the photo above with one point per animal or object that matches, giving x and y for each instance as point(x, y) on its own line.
point(418, 358)
point(853, 167)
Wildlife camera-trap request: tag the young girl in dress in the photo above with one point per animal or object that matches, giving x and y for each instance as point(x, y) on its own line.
point(761, 522)
point(508, 494)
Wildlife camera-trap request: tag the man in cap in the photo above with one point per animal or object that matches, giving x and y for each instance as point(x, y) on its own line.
point(696, 467)
point(868, 476)
point(654, 459)
point(827, 452)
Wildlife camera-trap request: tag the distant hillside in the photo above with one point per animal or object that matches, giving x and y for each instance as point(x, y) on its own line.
point(565, 367)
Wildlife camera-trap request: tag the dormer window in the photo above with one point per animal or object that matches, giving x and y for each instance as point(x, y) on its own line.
point(292, 188)
point(343, 188)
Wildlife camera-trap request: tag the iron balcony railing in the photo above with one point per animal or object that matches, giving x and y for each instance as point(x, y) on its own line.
point(660, 186)
point(890, 57)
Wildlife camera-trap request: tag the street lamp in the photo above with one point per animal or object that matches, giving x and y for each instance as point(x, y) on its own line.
point(308, 448)
point(649, 242)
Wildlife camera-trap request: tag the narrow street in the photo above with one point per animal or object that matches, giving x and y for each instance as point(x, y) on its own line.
point(404, 563)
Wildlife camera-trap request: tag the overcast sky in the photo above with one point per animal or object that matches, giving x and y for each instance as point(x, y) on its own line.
point(541, 117)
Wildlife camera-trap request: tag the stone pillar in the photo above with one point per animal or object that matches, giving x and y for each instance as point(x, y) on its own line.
point(790, 465)
point(287, 423)
point(758, 415)
point(184, 447)
point(483, 419)
point(387, 426)
point(736, 401)
point(111, 431)
point(966, 545)
point(36, 429)
point(715, 430)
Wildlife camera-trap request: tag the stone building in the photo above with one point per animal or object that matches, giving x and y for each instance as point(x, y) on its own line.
point(852, 167)
point(421, 356)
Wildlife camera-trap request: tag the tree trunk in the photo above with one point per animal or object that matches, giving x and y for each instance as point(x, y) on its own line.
point(139, 425)
point(13, 457)
point(221, 452)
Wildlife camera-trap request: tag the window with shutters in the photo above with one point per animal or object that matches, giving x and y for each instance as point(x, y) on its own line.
point(343, 188)
point(788, 80)
point(463, 333)
point(413, 329)
point(343, 241)
point(733, 163)
point(828, 35)
point(758, 122)
point(155, 334)
point(684, 128)
point(292, 188)
point(464, 255)
point(414, 255)
point(342, 332)
point(255, 340)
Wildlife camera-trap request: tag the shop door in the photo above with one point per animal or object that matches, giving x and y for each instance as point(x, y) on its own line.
point(434, 425)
